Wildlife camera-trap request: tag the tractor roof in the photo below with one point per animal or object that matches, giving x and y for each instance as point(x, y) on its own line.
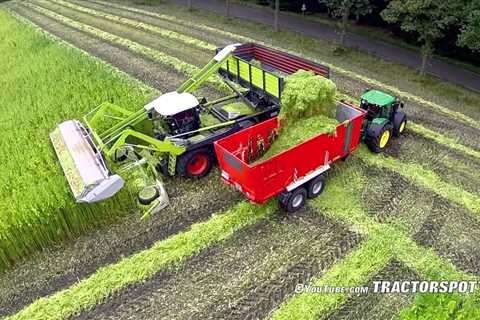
point(378, 97)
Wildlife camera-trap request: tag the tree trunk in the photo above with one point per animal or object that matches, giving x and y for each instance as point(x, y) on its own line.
point(227, 9)
point(343, 26)
point(426, 51)
point(277, 11)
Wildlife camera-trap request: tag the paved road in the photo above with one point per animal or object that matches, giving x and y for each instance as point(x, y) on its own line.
point(437, 67)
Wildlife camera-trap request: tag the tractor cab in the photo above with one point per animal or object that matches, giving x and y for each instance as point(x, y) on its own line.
point(174, 113)
point(383, 119)
point(379, 104)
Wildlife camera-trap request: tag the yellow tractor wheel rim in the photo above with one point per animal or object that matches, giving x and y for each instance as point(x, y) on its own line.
point(384, 139)
point(402, 127)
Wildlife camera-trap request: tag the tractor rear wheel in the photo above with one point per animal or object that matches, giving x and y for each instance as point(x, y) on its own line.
point(399, 124)
point(196, 163)
point(378, 139)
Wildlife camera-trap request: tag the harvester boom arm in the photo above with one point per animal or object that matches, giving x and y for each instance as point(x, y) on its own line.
point(210, 68)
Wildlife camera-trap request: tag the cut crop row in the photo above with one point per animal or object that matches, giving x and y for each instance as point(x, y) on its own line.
point(137, 24)
point(342, 200)
point(161, 57)
point(141, 266)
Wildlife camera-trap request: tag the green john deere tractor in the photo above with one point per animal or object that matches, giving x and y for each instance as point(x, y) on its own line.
point(383, 119)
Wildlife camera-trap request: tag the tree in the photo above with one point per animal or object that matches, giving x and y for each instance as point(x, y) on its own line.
point(189, 4)
point(275, 20)
point(470, 32)
point(344, 8)
point(428, 18)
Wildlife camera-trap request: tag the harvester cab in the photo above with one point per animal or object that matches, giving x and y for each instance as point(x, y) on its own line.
point(383, 119)
point(174, 113)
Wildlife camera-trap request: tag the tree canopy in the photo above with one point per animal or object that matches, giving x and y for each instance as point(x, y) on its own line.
point(428, 18)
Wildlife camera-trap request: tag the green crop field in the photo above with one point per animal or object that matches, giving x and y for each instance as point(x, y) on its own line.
point(412, 213)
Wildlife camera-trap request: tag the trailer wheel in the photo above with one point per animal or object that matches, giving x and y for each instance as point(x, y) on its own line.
point(399, 124)
point(294, 200)
point(315, 187)
point(378, 137)
point(196, 163)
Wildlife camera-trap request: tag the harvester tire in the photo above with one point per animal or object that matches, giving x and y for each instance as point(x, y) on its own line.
point(315, 187)
point(378, 137)
point(295, 200)
point(399, 124)
point(147, 195)
point(196, 163)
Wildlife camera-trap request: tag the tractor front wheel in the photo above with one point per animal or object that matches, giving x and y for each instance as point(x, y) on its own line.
point(195, 163)
point(378, 139)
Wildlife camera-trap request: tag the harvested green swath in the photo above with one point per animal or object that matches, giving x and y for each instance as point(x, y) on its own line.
point(179, 65)
point(308, 109)
point(307, 95)
point(299, 131)
point(44, 83)
point(136, 24)
point(138, 267)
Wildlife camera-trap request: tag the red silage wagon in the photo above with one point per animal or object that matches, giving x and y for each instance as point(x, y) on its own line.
point(295, 174)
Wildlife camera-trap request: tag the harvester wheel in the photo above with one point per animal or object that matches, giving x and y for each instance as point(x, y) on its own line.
point(378, 137)
point(295, 200)
point(315, 187)
point(196, 163)
point(399, 124)
point(147, 195)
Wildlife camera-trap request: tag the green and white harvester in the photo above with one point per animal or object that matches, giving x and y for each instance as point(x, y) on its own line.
point(172, 134)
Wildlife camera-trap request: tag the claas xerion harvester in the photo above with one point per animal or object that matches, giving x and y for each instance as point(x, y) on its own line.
point(171, 134)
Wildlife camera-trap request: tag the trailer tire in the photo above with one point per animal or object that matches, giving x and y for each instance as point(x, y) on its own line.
point(399, 123)
point(315, 187)
point(378, 137)
point(196, 163)
point(295, 200)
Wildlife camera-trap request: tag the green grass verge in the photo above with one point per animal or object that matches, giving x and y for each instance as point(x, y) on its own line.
point(43, 83)
point(139, 267)
point(137, 24)
point(424, 178)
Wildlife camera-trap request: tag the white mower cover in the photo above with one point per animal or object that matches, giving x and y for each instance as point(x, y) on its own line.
point(84, 167)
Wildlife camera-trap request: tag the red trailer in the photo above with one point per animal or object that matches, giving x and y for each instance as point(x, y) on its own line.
point(295, 174)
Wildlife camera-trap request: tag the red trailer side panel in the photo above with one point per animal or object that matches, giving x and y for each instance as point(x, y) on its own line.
point(263, 180)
